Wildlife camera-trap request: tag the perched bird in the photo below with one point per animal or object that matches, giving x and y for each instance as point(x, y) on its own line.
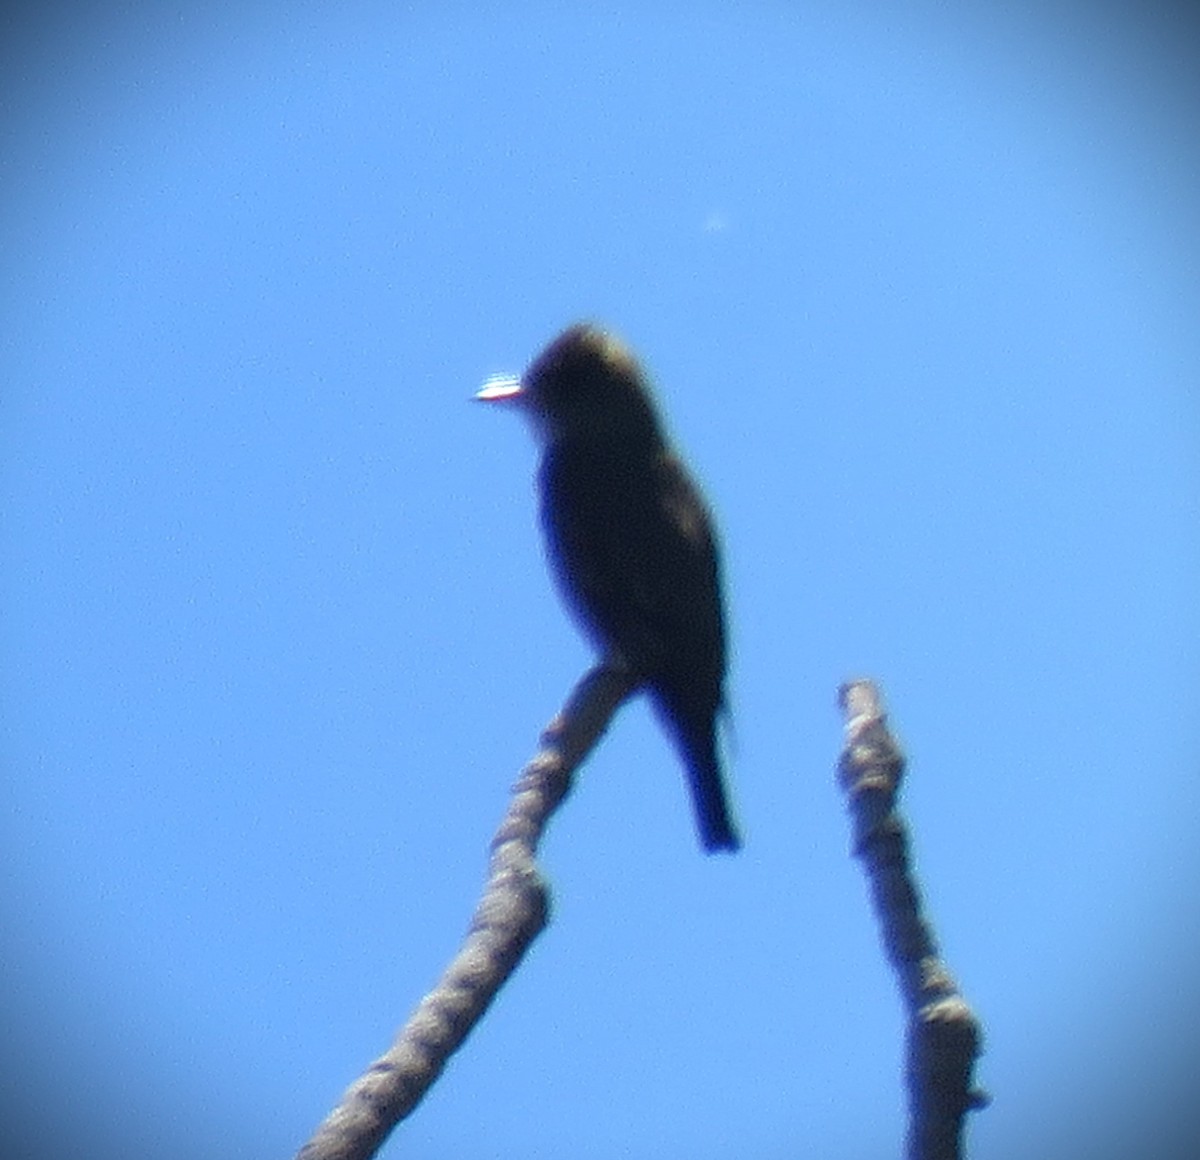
point(631, 543)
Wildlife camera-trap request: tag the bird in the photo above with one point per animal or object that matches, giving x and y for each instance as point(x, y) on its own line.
point(631, 544)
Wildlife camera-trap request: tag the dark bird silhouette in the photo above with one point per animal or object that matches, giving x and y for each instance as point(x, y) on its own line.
point(632, 544)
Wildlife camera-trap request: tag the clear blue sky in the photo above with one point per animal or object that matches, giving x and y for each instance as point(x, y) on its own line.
point(920, 289)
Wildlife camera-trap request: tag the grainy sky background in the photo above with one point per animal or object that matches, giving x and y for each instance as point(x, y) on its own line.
point(920, 288)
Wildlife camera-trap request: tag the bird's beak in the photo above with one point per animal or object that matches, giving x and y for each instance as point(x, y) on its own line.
point(501, 389)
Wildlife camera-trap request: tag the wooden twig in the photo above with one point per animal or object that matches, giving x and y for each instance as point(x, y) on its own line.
point(944, 1036)
point(511, 913)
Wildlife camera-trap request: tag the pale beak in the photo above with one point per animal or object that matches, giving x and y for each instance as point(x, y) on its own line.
point(500, 389)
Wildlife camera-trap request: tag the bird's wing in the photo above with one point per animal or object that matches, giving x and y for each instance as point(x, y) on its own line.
point(636, 558)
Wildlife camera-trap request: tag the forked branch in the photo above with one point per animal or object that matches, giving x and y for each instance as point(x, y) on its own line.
point(944, 1037)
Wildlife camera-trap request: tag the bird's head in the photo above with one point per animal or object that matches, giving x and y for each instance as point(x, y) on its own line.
point(585, 385)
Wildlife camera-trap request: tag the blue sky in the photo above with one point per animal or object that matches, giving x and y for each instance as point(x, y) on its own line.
point(919, 290)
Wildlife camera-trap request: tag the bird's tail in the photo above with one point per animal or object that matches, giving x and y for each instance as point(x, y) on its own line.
point(711, 804)
point(696, 737)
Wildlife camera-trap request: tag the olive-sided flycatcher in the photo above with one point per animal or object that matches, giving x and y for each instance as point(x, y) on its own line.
point(631, 543)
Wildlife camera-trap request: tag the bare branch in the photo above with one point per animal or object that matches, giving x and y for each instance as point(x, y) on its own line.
point(944, 1037)
point(512, 911)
